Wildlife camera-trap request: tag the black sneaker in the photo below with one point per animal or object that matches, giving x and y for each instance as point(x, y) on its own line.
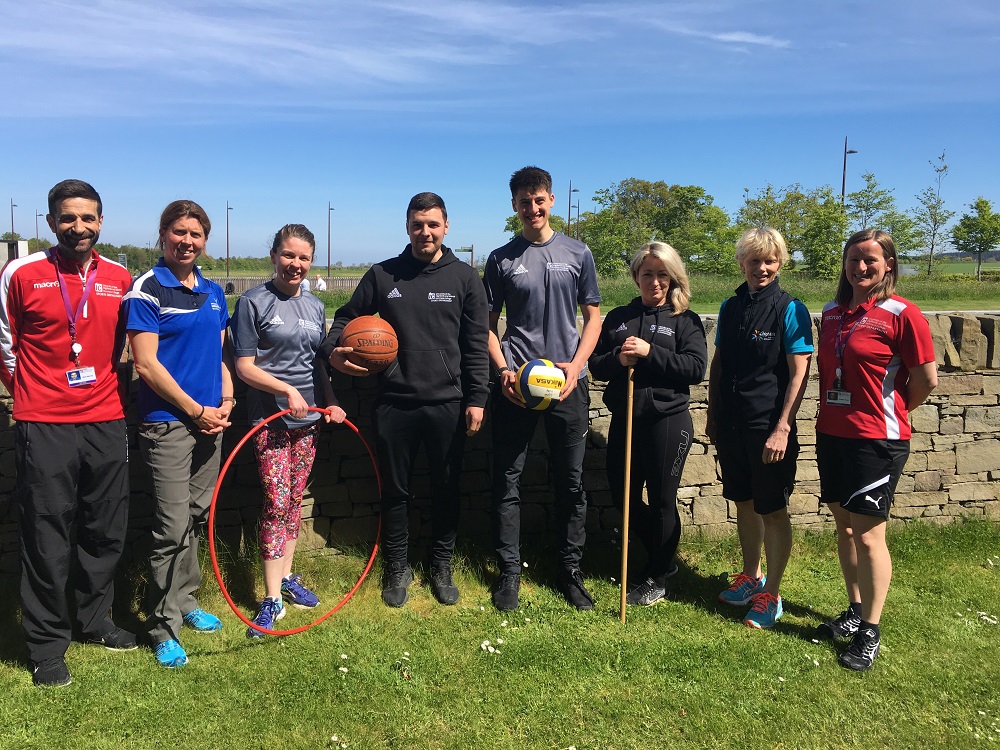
point(442, 585)
point(116, 640)
point(396, 578)
point(506, 591)
point(673, 570)
point(646, 593)
point(844, 626)
point(571, 586)
point(51, 673)
point(860, 655)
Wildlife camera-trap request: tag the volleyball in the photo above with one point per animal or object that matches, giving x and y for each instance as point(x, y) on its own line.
point(539, 383)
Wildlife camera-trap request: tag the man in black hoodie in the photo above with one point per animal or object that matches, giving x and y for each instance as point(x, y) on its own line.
point(435, 391)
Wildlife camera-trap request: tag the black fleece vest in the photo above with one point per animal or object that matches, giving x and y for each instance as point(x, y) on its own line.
point(754, 365)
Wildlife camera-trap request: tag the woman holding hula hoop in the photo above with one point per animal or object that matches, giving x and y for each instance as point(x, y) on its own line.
point(176, 321)
point(277, 328)
point(876, 364)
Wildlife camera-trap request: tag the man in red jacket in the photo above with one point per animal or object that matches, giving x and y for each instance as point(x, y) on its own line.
point(60, 342)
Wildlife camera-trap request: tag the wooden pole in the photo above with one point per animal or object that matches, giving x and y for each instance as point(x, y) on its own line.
point(628, 477)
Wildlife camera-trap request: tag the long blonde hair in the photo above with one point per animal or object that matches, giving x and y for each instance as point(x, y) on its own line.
point(679, 295)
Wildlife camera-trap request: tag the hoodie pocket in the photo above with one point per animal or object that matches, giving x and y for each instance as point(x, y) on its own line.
point(423, 372)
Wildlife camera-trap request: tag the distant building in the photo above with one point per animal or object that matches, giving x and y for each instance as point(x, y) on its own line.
point(15, 249)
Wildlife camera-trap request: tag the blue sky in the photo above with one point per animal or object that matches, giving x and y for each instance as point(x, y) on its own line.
point(279, 108)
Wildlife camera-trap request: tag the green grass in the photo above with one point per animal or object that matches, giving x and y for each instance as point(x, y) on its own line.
point(681, 673)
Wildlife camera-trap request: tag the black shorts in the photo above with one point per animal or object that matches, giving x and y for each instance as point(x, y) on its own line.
point(745, 476)
point(859, 473)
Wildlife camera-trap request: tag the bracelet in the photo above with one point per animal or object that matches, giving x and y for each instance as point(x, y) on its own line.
point(504, 369)
point(231, 399)
point(200, 414)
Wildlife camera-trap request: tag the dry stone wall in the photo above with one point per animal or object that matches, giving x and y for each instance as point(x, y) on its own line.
point(953, 469)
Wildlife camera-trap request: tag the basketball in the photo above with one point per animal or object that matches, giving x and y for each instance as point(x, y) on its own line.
point(373, 340)
point(539, 383)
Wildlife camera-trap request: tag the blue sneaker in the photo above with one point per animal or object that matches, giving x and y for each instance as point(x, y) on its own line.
point(170, 654)
point(297, 594)
point(269, 612)
point(742, 589)
point(202, 621)
point(766, 611)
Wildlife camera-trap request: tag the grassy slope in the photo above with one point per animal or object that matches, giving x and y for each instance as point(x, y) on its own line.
point(679, 672)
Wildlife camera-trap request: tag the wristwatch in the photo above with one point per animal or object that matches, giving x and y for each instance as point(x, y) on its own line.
point(231, 399)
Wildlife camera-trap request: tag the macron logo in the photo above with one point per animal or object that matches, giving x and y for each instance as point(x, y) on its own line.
point(394, 294)
point(519, 270)
point(44, 284)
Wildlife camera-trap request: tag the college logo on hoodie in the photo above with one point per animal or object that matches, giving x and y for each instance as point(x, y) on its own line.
point(440, 297)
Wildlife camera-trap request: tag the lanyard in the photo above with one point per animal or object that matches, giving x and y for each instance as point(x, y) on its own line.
point(72, 316)
point(840, 344)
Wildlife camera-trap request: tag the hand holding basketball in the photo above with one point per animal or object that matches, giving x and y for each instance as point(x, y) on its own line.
point(372, 341)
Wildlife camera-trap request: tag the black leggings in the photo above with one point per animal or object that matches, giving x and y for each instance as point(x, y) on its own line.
point(660, 448)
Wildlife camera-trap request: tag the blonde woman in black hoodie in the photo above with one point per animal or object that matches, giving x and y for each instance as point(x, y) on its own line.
point(658, 335)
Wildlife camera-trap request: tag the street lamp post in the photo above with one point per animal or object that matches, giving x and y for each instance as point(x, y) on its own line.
point(843, 177)
point(577, 235)
point(228, 209)
point(36, 229)
point(569, 207)
point(329, 211)
point(12, 207)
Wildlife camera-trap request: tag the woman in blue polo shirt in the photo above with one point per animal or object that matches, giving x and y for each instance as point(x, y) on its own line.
point(176, 320)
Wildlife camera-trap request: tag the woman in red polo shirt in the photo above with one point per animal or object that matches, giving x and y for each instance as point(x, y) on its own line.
point(876, 364)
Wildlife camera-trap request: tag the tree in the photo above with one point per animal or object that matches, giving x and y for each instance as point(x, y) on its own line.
point(609, 239)
point(867, 207)
point(513, 224)
point(784, 209)
point(931, 215)
point(905, 234)
point(823, 236)
point(977, 233)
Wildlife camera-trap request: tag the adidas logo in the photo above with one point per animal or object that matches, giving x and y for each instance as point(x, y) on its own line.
point(394, 294)
point(620, 328)
point(519, 270)
point(276, 321)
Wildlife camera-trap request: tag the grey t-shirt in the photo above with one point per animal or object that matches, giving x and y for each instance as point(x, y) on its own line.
point(282, 334)
point(542, 287)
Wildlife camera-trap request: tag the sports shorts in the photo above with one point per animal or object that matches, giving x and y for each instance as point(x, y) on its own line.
point(745, 476)
point(860, 473)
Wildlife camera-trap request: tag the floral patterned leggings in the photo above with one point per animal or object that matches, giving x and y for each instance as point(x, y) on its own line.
point(284, 459)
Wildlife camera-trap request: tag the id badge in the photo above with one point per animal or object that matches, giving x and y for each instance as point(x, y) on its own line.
point(837, 397)
point(81, 376)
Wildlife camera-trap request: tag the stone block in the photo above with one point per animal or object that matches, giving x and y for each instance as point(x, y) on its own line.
point(700, 470)
point(982, 419)
point(950, 385)
point(990, 327)
point(711, 510)
point(927, 481)
point(967, 334)
point(925, 418)
point(913, 499)
point(941, 460)
point(982, 455)
point(951, 426)
point(956, 402)
point(313, 533)
point(905, 484)
point(916, 462)
point(944, 348)
point(964, 492)
point(991, 383)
